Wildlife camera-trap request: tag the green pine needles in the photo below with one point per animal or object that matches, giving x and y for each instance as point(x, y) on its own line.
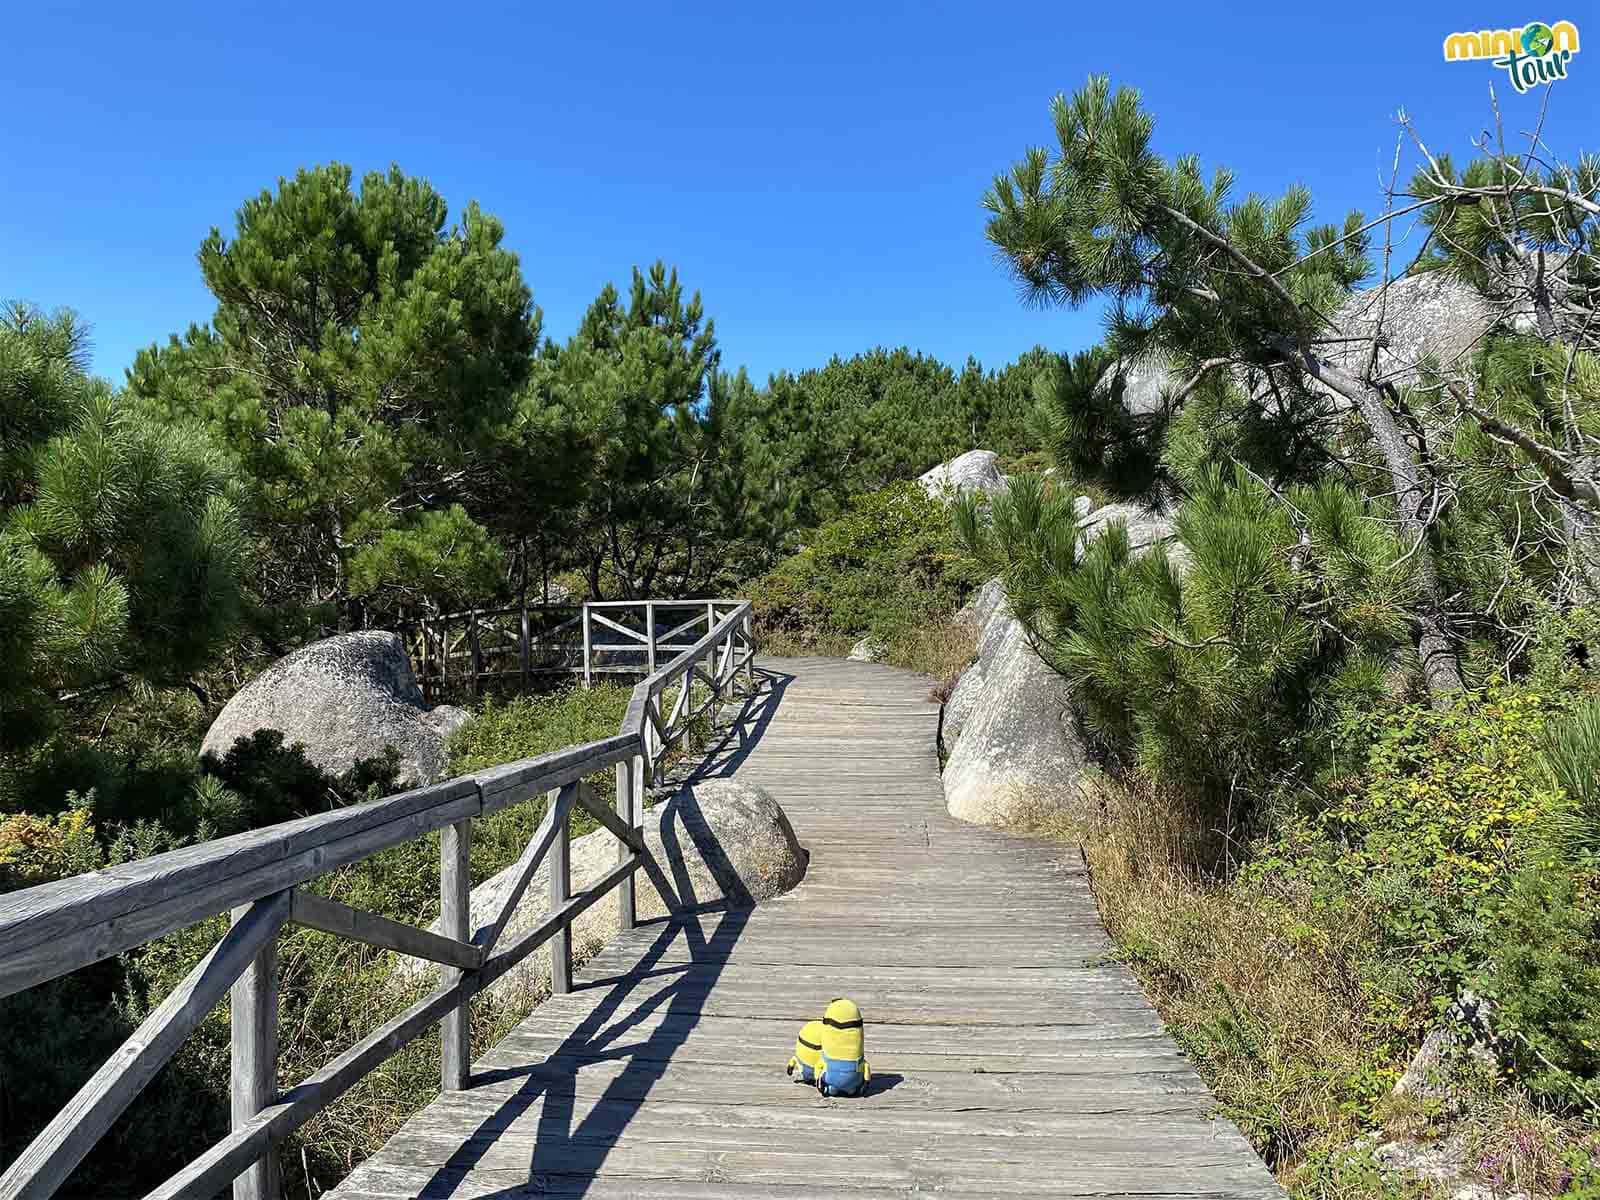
point(121, 547)
point(1213, 663)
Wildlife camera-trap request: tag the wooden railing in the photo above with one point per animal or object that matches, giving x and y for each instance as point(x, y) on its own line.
point(260, 877)
point(464, 651)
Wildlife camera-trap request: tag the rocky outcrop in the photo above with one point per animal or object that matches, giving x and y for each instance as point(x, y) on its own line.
point(1017, 749)
point(974, 471)
point(719, 841)
point(344, 698)
point(1431, 315)
point(1469, 1034)
point(1146, 527)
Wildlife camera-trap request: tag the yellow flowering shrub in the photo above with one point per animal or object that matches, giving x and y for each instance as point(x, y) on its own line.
point(35, 849)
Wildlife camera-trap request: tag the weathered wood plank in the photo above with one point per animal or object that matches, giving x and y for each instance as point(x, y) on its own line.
point(54, 928)
point(330, 916)
point(553, 826)
point(561, 892)
point(455, 920)
point(253, 1037)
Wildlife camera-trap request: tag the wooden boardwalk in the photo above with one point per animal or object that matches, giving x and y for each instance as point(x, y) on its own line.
point(1009, 1056)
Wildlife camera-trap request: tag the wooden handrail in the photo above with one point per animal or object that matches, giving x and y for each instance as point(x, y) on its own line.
point(462, 651)
point(54, 928)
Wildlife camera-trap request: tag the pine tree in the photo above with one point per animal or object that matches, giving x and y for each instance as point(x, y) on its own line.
point(1209, 285)
point(360, 358)
point(1214, 666)
point(120, 547)
point(634, 377)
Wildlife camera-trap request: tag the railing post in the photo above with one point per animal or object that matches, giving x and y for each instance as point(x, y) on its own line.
point(588, 674)
point(254, 1020)
point(650, 636)
point(750, 646)
point(627, 811)
point(560, 893)
point(527, 648)
point(477, 653)
point(455, 921)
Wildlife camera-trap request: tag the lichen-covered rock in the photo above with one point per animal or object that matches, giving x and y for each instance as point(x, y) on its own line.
point(963, 702)
point(1146, 527)
point(344, 698)
point(1016, 745)
point(719, 841)
point(977, 611)
point(986, 613)
point(868, 649)
point(1018, 749)
point(974, 471)
point(1431, 314)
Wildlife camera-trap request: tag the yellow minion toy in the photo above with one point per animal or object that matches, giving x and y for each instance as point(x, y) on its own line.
point(807, 1055)
point(844, 1070)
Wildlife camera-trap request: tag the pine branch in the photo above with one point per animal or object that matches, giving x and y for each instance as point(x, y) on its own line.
point(1556, 466)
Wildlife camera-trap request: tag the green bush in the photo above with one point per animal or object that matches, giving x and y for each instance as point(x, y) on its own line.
point(1214, 671)
point(503, 731)
point(260, 781)
point(1545, 975)
point(890, 562)
point(1425, 838)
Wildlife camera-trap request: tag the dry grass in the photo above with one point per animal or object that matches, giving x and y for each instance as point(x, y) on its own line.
point(785, 643)
point(941, 650)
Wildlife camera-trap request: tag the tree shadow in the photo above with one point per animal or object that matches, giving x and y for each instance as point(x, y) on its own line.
point(569, 1152)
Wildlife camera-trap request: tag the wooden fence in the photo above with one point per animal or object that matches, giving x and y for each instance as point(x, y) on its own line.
point(260, 877)
point(464, 651)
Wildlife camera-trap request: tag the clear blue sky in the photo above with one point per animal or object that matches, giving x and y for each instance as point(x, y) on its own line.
point(814, 170)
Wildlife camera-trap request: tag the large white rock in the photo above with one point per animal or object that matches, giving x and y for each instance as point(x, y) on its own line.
point(974, 471)
point(720, 841)
point(1017, 750)
point(868, 649)
point(344, 698)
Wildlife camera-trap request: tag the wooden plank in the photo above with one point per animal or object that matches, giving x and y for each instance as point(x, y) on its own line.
point(638, 639)
point(526, 943)
point(627, 818)
point(330, 916)
point(91, 917)
point(520, 781)
point(588, 656)
point(455, 921)
point(41, 1168)
point(253, 1042)
point(560, 893)
point(553, 827)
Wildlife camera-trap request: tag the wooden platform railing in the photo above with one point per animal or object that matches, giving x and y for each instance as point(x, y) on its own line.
point(260, 877)
point(464, 651)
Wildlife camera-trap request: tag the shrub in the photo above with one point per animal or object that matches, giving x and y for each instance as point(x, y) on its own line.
point(1213, 671)
point(888, 564)
point(1429, 835)
point(268, 782)
point(37, 850)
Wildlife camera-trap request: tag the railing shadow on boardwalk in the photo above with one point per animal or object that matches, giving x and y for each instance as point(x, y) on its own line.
point(568, 1153)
